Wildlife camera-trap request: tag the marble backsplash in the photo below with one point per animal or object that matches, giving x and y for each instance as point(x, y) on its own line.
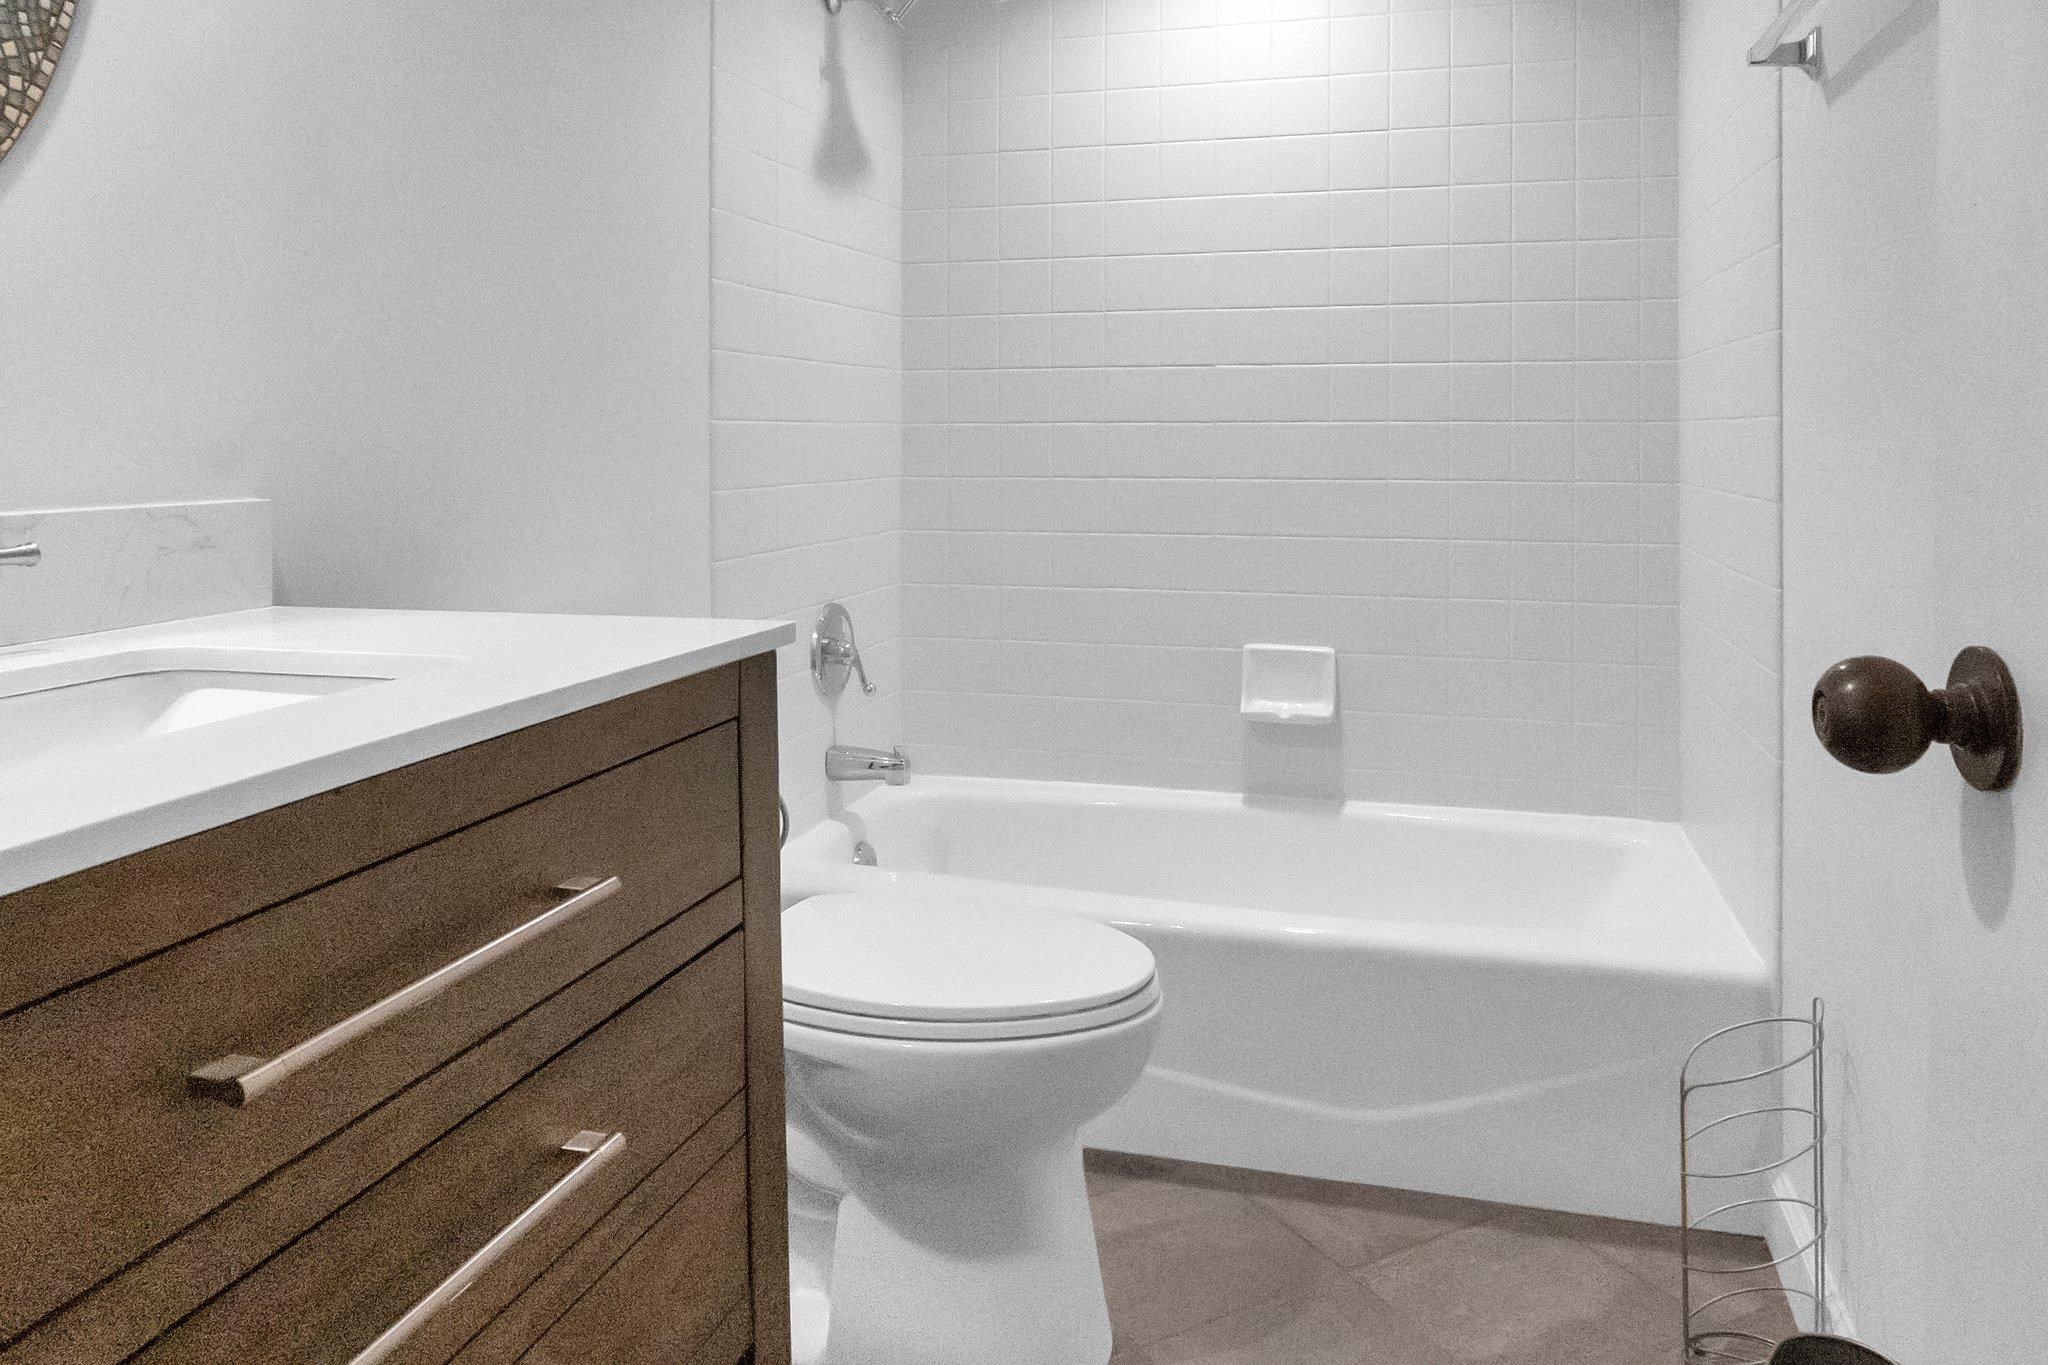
point(108, 567)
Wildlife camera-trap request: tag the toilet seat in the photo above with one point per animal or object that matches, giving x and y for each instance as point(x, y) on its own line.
point(971, 1030)
point(911, 965)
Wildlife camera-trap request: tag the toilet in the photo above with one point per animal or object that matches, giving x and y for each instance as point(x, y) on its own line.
point(943, 1054)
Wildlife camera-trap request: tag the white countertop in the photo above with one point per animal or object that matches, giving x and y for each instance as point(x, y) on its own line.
point(470, 677)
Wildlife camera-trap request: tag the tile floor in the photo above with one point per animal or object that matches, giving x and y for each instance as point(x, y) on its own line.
point(1206, 1265)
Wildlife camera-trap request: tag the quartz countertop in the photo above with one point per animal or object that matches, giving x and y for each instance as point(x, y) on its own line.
point(464, 677)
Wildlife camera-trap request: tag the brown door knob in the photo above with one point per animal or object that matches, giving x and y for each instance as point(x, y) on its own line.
point(1876, 716)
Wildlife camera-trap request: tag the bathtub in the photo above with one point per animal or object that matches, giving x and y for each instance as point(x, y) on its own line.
point(1479, 1003)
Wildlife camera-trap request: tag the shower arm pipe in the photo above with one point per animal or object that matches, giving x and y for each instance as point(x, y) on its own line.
point(1792, 40)
point(895, 13)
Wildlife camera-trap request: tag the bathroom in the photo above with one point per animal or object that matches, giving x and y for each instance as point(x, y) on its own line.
point(1337, 509)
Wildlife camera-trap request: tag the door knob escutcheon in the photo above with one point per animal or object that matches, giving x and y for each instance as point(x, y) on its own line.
point(1876, 716)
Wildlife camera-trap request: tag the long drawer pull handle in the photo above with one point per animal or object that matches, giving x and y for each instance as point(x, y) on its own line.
point(237, 1079)
point(595, 1148)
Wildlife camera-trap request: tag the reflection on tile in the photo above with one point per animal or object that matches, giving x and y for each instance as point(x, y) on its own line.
point(1740, 1266)
point(1509, 1289)
point(1128, 1196)
point(1653, 1253)
point(1167, 1276)
point(1212, 1266)
point(1177, 1254)
point(1348, 1326)
point(1356, 1225)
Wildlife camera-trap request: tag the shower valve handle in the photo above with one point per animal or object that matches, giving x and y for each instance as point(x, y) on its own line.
point(834, 655)
point(847, 654)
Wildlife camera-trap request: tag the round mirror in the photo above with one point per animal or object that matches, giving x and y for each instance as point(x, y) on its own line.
point(32, 34)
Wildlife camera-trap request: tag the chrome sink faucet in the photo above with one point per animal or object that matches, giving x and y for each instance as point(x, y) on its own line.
point(21, 556)
point(846, 763)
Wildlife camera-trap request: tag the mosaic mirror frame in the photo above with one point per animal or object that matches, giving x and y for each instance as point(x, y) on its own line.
point(32, 36)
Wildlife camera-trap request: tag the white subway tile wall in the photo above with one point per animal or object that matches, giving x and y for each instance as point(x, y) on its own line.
point(1332, 322)
point(807, 337)
point(1730, 456)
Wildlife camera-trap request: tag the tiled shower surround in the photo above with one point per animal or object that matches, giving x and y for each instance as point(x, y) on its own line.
point(1730, 579)
point(1337, 322)
point(807, 402)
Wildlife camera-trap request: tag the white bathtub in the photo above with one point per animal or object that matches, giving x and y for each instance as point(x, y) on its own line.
point(1480, 1003)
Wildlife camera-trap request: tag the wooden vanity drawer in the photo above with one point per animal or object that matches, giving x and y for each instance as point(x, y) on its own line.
point(655, 1074)
point(666, 1297)
point(105, 1152)
point(657, 1278)
point(77, 927)
point(619, 1237)
point(125, 1313)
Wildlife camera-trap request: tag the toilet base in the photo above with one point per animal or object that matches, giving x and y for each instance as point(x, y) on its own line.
point(810, 1319)
point(992, 1266)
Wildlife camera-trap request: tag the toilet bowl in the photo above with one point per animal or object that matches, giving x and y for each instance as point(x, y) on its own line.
point(942, 1057)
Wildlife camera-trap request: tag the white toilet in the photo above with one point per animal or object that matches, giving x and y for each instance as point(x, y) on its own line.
point(943, 1055)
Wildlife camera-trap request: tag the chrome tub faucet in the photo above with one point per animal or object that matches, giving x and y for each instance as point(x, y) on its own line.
point(846, 763)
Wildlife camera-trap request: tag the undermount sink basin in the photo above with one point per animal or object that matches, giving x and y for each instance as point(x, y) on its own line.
point(115, 699)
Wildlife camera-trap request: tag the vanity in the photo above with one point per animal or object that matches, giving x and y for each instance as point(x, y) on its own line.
point(392, 986)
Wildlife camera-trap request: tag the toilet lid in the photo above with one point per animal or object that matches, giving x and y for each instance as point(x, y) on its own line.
point(906, 955)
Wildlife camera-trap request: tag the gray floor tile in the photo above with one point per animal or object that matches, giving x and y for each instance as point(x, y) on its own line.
point(1207, 1265)
point(1176, 1256)
point(1355, 1225)
point(1346, 1326)
point(1513, 1291)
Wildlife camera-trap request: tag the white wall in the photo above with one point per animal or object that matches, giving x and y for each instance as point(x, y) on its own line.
point(1308, 322)
point(1869, 870)
point(138, 334)
point(1730, 612)
point(445, 299)
point(1916, 349)
point(807, 431)
point(439, 291)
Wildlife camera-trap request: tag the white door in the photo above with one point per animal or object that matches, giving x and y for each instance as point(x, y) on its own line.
point(1916, 522)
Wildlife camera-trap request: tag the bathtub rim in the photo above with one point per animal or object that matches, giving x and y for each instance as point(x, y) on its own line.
point(820, 860)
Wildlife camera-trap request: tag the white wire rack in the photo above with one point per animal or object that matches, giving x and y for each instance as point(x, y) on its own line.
point(1757, 1110)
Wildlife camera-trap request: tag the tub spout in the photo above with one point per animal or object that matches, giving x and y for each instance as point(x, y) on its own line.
point(845, 763)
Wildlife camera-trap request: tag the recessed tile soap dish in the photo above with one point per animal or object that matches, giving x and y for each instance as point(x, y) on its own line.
point(1290, 684)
